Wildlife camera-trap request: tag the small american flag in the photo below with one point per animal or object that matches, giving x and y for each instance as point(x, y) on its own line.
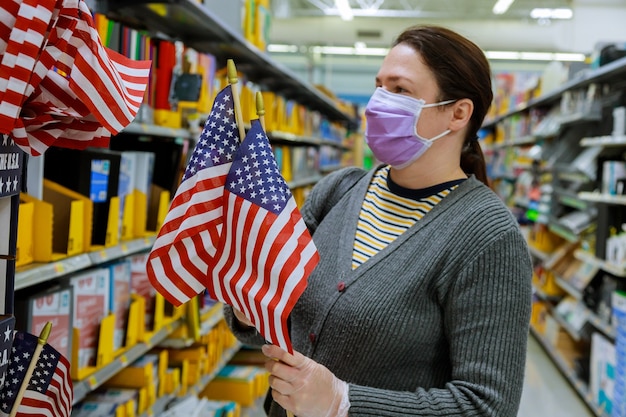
point(49, 391)
point(265, 252)
point(184, 248)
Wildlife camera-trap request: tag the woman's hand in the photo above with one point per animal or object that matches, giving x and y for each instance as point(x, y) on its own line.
point(305, 387)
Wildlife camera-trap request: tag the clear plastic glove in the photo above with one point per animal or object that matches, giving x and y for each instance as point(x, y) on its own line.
point(305, 387)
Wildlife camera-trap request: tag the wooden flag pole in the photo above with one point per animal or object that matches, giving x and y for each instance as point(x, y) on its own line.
point(233, 80)
point(260, 109)
point(43, 339)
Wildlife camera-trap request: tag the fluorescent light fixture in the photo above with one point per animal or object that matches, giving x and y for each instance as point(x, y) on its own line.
point(544, 13)
point(535, 56)
point(501, 6)
point(349, 50)
point(278, 48)
point(345, 11)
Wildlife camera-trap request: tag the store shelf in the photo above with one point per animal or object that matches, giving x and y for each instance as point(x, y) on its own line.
point(84, 387)
point(205, 327)
point(563, 232)
point(606, 141)
point(569, 288)
point(154, 130)
point(302, 182)
point(539, 254)
point(606, 72)
point(603, 198)
point(200, 28)
point(571, 199)
point(580, 387)
point(40, 272)
point(617, 270)
point(204, 381)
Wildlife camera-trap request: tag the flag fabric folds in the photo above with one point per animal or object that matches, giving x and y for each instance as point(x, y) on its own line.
point(179, 261)
point(58, 84)
point(265, 252)
point(49, 392)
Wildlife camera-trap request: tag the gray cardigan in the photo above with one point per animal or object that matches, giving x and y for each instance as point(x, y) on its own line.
point(435, 324)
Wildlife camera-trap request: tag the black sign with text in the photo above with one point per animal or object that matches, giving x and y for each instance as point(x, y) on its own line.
point(11, 159)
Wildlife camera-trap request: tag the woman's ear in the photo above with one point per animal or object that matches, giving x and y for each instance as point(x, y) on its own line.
point(462, 112)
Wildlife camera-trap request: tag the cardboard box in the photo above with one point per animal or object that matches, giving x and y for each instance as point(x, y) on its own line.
point(120, 300)
point(140, 285)
point(52, 305)
point(90, 305)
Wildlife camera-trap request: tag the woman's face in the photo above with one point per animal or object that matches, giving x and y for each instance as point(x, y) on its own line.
point(404, 72)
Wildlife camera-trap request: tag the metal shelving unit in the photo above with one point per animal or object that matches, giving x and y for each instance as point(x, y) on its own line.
point(200, 28)
point(41, 272)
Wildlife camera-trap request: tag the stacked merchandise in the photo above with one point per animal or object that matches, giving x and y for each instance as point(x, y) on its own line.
point(619, 391)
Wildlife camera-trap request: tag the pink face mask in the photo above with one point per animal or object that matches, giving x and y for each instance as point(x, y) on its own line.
point(391, 128)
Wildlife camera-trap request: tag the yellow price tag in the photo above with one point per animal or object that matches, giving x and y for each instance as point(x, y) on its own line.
point(124, 247)
point(59, 268)
point(124, 360)
point(93, 382)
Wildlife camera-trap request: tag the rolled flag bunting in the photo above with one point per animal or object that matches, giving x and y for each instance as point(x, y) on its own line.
point(58, 84)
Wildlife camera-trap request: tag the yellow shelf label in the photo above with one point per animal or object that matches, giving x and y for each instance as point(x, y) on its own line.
point(59, 268)
point(93, 382)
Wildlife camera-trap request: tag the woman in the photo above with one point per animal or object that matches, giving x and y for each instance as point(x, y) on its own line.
point(421, 301)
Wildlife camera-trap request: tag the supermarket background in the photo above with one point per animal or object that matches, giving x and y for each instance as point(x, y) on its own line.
point(554, 141)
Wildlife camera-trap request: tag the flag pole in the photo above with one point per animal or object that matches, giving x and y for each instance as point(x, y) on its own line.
point(233, 80)
point(260, 109)
point(43, 339)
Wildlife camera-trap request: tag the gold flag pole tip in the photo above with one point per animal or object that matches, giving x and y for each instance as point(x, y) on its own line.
point(231, 71)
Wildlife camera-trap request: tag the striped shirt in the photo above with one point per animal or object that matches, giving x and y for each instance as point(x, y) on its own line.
point(389, 210)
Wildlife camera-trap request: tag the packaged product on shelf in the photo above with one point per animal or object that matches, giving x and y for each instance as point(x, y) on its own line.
point(91, 292)
point(52, 305)
point(602, 372)
point(140, 285)
point(120, 300)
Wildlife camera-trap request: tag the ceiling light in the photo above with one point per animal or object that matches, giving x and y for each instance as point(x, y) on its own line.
point(345, 11)
point(535, 56)
point(501, 6)
point(278, 48)
point(544, 13)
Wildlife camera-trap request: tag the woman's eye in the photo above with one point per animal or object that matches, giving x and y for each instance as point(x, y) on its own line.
point(400, 90)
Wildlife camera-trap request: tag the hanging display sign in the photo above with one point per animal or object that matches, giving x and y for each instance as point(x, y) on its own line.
point(11, 157)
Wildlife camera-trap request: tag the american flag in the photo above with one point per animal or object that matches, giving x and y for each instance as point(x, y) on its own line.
point(49, 392)
point(265, 252)
point(181, 255)
point(58, 84)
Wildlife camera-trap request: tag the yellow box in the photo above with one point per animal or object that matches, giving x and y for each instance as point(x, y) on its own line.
point(168, 118)
point(24, 250)
point(234, 383)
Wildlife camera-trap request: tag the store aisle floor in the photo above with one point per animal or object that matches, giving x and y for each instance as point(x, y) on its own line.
point(546, 392)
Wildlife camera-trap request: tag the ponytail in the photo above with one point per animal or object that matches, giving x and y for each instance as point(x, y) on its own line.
point(473, 160)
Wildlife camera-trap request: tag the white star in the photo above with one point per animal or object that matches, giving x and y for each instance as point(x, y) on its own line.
point(276, 207)
point(4, 140)
point(264, 200)
point(8, 184)
point(1, 184)
point(7, 333)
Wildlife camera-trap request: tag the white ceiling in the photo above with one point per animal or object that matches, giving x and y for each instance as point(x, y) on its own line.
point(377, 22)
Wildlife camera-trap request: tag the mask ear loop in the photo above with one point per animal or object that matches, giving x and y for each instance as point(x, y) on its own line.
point(417, 115)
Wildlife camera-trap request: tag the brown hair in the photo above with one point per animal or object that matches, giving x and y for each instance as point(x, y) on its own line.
point(462, 71)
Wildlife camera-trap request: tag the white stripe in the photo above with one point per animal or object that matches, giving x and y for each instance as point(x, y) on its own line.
point(161, 277)
point(193, 255)
point(226, 276)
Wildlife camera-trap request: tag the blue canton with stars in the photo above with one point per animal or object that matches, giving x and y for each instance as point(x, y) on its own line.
point(219, 138)
point(254, 174)
point(24, 346)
